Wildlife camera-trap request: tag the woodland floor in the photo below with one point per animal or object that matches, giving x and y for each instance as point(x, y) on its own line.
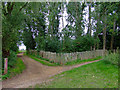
point(36, 73)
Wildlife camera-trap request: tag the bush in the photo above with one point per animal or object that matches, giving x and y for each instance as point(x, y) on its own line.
point(19, 66)
point(52, 45)
point(68, 46)
point(112, 58)
point(84, 43)
point(12, 59)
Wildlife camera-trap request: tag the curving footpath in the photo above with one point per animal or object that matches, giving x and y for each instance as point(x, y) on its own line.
point(36, 73)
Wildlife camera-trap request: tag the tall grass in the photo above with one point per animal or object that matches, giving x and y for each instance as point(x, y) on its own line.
point(112, 58)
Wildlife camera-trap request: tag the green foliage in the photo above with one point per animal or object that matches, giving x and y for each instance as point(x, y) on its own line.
point(67, 45)
point(75, 15)
point(19, 66)
point(112, 58)
point(12, 59)
point(34, 32)
point(40, 42)
point(67, 42)
point(38, 26)
point(5, 76)
point(52, 45)
point(14, 47)
point(28, 39)
point(53, 19)
point(12, 20)
point(84, 43)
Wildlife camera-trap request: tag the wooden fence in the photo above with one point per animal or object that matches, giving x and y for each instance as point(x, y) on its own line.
point(65, 57)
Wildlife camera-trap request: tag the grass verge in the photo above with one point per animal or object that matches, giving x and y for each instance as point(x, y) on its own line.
point(43, 61)
point(78, 61)
point(51, 63)
point(18, 68)
point(94, 75)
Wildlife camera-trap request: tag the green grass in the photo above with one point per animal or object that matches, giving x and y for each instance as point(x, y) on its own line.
point(78, 61)
point(21, 51)
point(44, 62)
point(94, 75)
point(38, 56)
point(18, 68)
point(51, 63)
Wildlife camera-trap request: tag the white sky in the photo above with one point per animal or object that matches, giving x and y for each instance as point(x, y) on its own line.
point(64, 19)
point(22, 46)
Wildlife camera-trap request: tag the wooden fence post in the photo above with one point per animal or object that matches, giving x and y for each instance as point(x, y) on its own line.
point(5, 65)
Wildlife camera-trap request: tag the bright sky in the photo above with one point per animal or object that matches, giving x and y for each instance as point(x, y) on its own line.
point(22, 46)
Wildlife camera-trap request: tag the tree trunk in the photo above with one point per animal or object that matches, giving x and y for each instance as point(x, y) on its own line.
point(112, 36)
point(63, 23)
point(91, 48)
point(104, 38)
point(97, 43)
point(97, 31)
point(111, 44)
point(94, 47)
point(62, 15)
point(89, 24)
point(104, 33)
point(79, 19)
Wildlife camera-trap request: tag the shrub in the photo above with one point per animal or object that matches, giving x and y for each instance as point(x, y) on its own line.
point(12, 59)
point(52, 45)
point(84, 43)
point(68, 46)
point(112, 58)
point(19, 66)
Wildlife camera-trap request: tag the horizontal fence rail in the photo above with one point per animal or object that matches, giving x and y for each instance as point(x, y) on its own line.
point(66, 57)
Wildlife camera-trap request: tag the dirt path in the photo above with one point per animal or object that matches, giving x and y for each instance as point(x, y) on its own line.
point(35, 73)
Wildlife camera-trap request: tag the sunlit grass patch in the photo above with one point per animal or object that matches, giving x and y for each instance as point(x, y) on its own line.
point(78, 61)
point(94, 75)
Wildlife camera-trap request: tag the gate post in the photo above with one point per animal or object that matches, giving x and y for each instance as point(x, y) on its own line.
point(5, 65)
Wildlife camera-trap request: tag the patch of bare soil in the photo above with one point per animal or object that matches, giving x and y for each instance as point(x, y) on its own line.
point(35, 73)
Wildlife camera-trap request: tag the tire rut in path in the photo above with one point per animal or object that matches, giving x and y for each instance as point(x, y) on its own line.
point(36, 73)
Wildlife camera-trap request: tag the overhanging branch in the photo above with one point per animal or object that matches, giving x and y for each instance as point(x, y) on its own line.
point(22, 7)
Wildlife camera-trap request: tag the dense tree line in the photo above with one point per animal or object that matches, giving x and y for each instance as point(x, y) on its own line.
point(38, 26)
